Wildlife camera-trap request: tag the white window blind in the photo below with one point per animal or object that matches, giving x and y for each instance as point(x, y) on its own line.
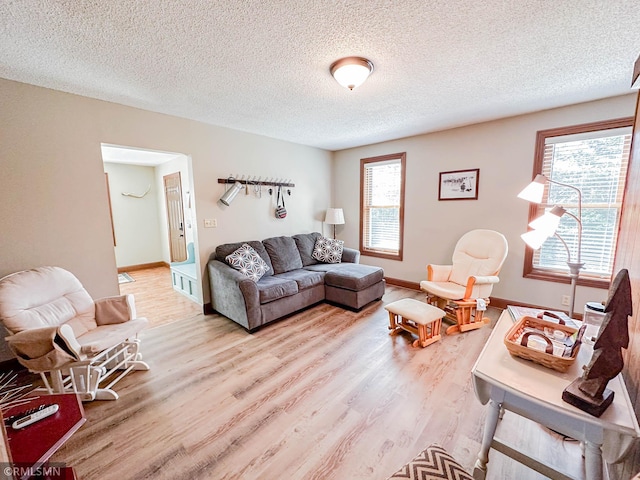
point(596, 163)
point(381, 207)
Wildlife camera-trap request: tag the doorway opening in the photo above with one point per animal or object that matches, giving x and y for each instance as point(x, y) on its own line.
point(154, 227)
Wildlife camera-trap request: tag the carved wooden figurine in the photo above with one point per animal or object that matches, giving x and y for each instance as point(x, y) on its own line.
point(589, 392)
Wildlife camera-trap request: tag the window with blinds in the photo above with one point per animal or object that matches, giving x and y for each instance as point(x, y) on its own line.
point(594, 158)
point(382, 205)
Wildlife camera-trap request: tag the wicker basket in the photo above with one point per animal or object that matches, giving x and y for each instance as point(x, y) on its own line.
point(548, 360)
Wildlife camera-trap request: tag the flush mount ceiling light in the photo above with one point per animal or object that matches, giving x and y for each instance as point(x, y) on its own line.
point(351, 72)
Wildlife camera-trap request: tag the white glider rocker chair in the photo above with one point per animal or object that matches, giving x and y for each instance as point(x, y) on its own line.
point(75, 344)
point(462, 289)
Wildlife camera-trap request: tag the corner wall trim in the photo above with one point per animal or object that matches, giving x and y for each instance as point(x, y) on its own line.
point(402, 283)
point(142, 266)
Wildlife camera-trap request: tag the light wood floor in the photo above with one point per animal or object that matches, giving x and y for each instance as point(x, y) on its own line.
point(156, 299)
point(323, 394)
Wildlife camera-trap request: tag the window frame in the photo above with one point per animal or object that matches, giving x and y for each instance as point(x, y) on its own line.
point(365, 251)
point(529, 271)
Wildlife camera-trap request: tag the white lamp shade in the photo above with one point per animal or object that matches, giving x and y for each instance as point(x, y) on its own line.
point(334, 216)
point(534, 238)
point(351, 72)
point(535, 190)
point(548, 223)
point(532, 192)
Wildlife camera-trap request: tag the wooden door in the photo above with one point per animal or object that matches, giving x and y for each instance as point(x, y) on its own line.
point(175, 217)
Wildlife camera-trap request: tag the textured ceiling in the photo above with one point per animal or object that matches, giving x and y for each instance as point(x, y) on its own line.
point(263, 66)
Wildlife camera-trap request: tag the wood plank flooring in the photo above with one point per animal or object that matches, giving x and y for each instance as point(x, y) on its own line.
point(323, 394)
point(156, 299)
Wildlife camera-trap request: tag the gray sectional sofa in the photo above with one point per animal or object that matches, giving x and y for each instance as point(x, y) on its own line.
point(295, 280)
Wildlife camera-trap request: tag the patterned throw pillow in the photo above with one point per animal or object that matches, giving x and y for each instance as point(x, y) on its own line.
point(432, 464)
point(247, 261)
point(328, 250)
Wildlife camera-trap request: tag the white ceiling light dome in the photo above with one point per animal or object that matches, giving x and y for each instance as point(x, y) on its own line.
point(351, 72)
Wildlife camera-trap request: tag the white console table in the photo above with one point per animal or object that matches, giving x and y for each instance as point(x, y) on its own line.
point(535, 392)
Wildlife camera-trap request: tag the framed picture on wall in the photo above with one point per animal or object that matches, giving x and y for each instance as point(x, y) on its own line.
point(459, 185)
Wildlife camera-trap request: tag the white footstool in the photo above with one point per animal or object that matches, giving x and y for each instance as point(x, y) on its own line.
point(417, 317)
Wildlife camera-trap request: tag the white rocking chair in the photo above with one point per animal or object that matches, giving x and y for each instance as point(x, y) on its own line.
point(462, 289)
point(75, 344)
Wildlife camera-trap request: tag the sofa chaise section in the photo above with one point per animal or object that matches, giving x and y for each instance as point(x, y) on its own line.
point(352, 285)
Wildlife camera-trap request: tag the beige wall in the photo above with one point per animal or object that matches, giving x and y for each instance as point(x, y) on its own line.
point(136, 221)
point(503, 151)
point(54, 207)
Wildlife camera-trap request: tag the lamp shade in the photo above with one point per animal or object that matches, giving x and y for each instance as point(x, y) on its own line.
point(351, 72)
point(535, 190)
point(334, 216)
point(549, 222)
point(534, 238)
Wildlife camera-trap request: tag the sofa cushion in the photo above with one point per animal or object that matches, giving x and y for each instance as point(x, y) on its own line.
point(283, 253)
point(222, 251)
point(274, 287)
point(305, 243)
point(304, 278)
point(353, 276)
point(247, 261)
point(328, 250)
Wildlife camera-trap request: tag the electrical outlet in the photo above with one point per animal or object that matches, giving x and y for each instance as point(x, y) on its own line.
point(210, 223)
point(565, 300)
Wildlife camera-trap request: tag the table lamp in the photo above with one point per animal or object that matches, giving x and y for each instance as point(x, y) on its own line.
point(334, 217)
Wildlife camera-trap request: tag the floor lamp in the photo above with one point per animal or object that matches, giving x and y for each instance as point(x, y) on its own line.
point(545, 226)
point(334, 217)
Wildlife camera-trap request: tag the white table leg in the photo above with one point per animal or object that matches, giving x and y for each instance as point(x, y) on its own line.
point(490, 425)
point(593, 461)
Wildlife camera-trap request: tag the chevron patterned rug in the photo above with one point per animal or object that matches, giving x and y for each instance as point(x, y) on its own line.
point(434, 463)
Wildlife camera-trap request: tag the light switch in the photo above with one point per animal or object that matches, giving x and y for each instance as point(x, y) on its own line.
point(210, 223)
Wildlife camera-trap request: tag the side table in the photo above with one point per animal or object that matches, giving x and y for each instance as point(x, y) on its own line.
point(535, 392)
point(32, 446)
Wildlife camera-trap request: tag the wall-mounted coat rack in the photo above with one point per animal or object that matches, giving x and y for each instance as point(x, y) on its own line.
point(276, 182)
point(255, 183)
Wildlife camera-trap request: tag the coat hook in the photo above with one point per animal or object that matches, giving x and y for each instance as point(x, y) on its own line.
point(270, 191)
point(289, 191)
